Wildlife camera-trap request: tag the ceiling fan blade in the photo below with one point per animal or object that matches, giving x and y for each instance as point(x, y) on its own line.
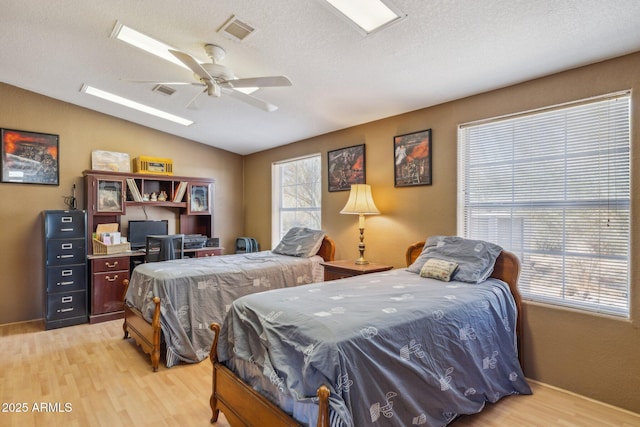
point(196, 102)
point(272, 81)
point(193, 65)
point(251, 100)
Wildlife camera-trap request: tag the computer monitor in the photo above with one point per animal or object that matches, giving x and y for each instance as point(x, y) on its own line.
point(140, 229)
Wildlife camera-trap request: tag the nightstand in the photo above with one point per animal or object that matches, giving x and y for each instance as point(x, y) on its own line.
point(334, 270)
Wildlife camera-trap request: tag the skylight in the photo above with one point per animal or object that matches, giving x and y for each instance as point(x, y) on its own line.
point(134, 105)
point(368, 15)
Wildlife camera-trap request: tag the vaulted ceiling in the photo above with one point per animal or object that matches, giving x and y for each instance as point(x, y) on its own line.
point(442, 50)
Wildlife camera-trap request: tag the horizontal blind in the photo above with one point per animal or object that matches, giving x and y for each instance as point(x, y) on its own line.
point(553, 186)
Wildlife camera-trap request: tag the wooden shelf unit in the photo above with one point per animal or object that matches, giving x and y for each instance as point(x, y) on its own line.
point(108, 196)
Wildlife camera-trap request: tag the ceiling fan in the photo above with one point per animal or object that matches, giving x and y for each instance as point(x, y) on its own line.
point(218, 78)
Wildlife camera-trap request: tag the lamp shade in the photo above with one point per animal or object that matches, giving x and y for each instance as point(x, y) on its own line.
point(360, 201)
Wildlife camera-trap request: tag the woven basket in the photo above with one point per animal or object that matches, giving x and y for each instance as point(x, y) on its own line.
point(100, 248)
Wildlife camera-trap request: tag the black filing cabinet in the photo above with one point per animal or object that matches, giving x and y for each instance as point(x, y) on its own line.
point(65, 271)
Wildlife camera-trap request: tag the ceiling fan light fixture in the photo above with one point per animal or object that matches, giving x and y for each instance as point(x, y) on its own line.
point(368, 15)
point(108, 96)
point(142, 41)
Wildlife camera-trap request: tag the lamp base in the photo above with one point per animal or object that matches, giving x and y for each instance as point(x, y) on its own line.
point(361, 261)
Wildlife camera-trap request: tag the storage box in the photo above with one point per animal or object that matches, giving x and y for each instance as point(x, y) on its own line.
point(100, 248)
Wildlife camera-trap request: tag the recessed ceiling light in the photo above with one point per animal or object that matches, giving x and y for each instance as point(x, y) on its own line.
point(368, 15)
point(134, 105)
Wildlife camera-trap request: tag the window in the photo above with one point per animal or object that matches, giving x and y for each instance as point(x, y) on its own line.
point(553, 186)
point(297, 195)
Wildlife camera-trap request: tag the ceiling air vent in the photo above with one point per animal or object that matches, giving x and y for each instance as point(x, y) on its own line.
point(165, 90)
point(236, 29)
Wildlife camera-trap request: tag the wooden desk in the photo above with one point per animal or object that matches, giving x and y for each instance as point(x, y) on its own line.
point(107, 274)
point(334, 270)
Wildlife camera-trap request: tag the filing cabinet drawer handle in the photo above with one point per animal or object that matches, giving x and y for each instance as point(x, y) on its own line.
point(65, 283)
point(64, 256)
point(64, 310)
point(67, 246)
point(66, 229)
point(114, 265)
point(109, 279)
point(67, 299)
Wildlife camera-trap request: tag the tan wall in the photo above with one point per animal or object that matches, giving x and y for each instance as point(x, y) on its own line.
point(592, 355)
point(81, 131)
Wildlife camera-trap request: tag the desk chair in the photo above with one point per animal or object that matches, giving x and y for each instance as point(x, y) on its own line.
point(163, 248)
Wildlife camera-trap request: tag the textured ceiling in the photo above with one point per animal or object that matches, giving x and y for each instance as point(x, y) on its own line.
point(442, 50)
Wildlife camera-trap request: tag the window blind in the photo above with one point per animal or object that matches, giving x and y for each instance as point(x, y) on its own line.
point(553, 186)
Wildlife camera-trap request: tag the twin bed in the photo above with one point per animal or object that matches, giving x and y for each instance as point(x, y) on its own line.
point(174, 302)
point(415, 346)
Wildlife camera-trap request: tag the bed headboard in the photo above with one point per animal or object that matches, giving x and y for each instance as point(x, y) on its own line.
point(506, 268)
point(328, 249)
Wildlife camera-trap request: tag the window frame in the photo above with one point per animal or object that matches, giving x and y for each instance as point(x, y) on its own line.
point(276, 196)
point(614, 299)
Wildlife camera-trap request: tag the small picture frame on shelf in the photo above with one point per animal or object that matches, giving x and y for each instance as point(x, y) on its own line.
point(199, 198)
point(110, 196)
point(412, 159)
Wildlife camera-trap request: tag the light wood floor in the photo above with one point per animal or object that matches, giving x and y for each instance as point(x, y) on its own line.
point(87, 375)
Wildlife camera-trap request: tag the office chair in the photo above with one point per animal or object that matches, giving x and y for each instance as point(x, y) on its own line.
point(163, 248)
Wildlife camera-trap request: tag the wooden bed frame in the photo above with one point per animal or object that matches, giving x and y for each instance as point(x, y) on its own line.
point(243, 406)
point(149, 335)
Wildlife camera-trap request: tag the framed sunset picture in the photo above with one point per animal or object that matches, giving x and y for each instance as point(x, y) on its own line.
point(29, 157)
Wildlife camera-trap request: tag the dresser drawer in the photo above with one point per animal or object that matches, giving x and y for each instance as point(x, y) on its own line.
point(201, 253)
point(64, 224)
point(65, 305)
point(110, 264)
point(108, 291)
point(66, 251)
point(66, 278)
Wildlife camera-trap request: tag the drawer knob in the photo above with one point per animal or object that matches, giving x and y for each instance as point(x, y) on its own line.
point(109, 279)
point(114, 265)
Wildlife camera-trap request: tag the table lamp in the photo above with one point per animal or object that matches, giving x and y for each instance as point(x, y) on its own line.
point(360, 203)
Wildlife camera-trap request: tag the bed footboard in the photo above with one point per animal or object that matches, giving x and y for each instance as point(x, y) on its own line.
point(146, 335)
point(243, 406)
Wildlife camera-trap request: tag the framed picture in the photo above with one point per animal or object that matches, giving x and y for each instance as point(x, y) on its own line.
point(346, 167)
point(412, 159)
point(199, 199)
point(110, 196)
point(29, 157)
